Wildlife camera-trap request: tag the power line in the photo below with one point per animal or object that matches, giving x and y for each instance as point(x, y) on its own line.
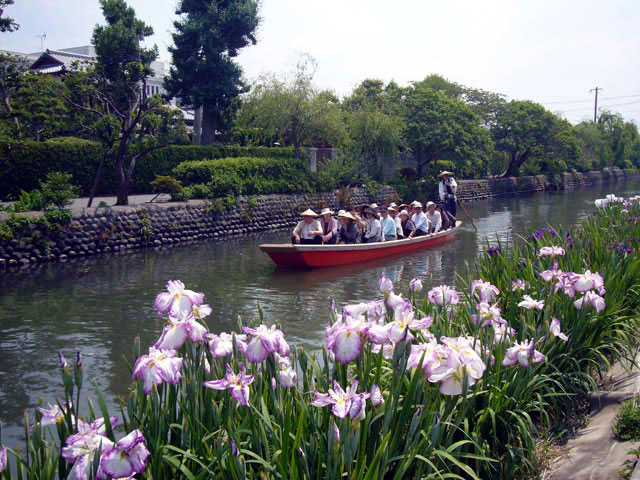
point(590, 100)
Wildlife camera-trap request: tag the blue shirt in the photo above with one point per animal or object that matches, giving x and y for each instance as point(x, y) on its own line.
point(388, 227)
point(420, 221)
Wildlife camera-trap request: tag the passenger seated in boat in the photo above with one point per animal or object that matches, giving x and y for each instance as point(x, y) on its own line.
point(329, 227)
point(388, 225)
point(419, 220)
point(348, 232)
point(407, 225)
point(373, 229)
point(434, 218)
point(393, 213)
point(308, 231)
point(375, 208)
point(447, 220)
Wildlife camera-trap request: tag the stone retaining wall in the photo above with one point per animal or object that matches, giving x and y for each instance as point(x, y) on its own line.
point(470, 190)
point(100, 230)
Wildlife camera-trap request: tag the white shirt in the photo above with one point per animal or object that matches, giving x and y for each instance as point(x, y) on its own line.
point(374, 229)
point(398, 226)
point(420, 221)
point(442, 189)
point(435, 219)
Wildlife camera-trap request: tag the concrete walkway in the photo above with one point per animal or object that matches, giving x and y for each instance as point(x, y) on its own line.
point(77, 203)
point(594, 454)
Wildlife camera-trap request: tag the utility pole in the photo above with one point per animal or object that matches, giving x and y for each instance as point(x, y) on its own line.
point(595, 107)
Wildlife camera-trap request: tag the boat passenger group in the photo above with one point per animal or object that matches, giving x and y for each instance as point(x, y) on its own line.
point(373, 223)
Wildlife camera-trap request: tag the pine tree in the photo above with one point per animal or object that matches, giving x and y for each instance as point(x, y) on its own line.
point(209, 35)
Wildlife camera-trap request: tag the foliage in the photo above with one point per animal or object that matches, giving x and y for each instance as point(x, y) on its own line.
point(529, 133)
point(12, 70)
point(165, 184)
point(209, 35)
point(27, 202)
point(221, 205)
point(6, 23)
point(57, 190)
point(627, 422)
point(343, 171)
point(245, 176)
point(621, 140)
point(294, 109)
point(40, 108)
point(25, 163)
point(443, 128)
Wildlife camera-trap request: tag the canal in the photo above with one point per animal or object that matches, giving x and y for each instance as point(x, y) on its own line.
point(97, 306)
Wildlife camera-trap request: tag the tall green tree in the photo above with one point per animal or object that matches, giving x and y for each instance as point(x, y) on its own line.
point(526, 131)
point(209, 35)
point(129, 123)
point(12, 69)
point(439, 127)
point(40, 109)
point(621, 138)
point(6, 23)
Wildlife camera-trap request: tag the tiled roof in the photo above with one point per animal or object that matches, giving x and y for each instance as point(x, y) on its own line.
point(53, 61)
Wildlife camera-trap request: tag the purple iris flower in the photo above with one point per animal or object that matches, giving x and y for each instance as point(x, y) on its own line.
point(346, 337)
point(552, 251)
point(81, 447)
point(443, 295)
point(484, 290)
point(415, 285)
point(385, 285)
point(63, 361)
point(376, 395)
point(491, 251)
point(127, 457)
point(55, 414)
point(523, 353)
point(590, 299)
point(179, 328)
point(237, 383)
point(177, 299)
point(342, 401)
point(570, 240)
point(222, 345)
point(587, 281)
point(3, 458)
point(553, 275)
point(157, 367)
point(234, 447)
point(264, 341)
point(556, 330)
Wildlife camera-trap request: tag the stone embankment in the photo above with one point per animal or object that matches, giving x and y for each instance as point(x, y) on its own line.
point(100, 230)
point(469, 190)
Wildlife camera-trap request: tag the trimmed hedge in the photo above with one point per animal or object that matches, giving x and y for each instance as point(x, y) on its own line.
point(245, 176)
point(23, 164)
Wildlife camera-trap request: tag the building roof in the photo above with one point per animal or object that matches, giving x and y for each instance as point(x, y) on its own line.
point(25, 58)
point(54, 61)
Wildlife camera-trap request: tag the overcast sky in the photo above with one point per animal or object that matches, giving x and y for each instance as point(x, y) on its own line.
point(549, 51)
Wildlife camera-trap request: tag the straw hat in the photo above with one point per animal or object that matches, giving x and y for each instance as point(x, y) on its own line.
point(325, 211)
point(417, 205)
point(373, 205)
point(392, 209)
point(444, 172)
point(308, 213)
point(344, 214)
point(341, 212)
point(402, 206)
point(404, 212)
point(430, 203)
point(393, 204)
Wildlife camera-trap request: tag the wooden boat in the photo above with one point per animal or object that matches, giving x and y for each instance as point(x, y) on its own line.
point(332, 255)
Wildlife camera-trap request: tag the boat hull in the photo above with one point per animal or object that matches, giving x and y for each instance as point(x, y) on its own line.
point(312, 256)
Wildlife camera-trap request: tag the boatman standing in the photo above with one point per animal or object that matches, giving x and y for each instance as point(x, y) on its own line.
point(447, 189)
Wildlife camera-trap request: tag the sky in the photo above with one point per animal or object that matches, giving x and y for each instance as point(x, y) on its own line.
point(550, 51)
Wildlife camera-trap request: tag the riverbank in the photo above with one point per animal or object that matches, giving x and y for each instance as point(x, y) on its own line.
point(95, 231)
point(471, 190)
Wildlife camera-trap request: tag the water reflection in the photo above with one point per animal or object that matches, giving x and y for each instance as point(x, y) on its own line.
point(97, 306)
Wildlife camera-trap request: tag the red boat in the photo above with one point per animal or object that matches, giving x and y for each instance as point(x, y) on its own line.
point(288, 255)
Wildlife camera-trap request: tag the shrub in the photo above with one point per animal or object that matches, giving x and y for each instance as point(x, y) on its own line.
point(57, 190)
point(627, 422)
point(166, 184)
point(28, 202)
point(24, 164)
point(246, 175)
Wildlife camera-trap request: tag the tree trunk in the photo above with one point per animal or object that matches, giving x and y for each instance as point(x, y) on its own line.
point(122, 182)
point(209, 123)
point(96, 180)
point(513, 170)
point(197, 126)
